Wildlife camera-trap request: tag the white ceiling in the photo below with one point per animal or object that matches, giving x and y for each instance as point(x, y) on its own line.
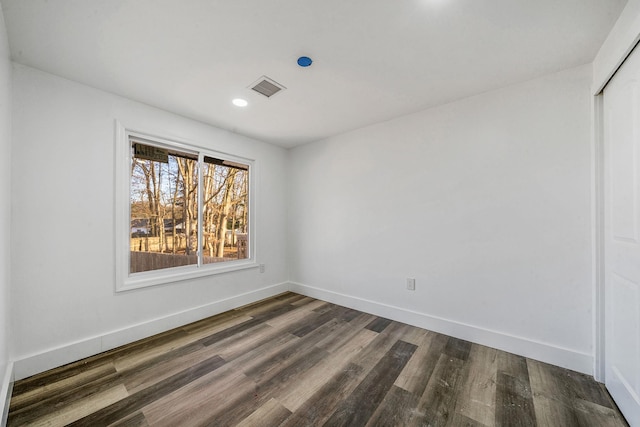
point(373, 59)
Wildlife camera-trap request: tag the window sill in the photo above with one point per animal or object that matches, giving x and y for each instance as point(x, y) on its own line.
point(178, 274)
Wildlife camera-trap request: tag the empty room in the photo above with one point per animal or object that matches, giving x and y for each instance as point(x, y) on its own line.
point(308, 213)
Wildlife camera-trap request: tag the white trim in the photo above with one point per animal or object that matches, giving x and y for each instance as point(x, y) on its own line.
point(179, 274)
point(556, 355)
point(71, 352)
point(598, 239)
point(553, 354)
point(5, 393)
point(618, 45)
point(125, 281)
point(200, 199)
point(121, 209)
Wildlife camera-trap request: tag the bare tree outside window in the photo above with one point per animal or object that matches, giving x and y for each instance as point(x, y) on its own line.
point(165, 190)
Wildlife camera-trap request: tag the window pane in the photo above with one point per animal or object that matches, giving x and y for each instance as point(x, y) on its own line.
point(225, 212)
point(163, 208)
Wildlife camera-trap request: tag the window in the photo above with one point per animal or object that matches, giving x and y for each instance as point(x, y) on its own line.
point(188, 211)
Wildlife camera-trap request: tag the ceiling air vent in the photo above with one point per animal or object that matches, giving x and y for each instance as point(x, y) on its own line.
point(267, 87)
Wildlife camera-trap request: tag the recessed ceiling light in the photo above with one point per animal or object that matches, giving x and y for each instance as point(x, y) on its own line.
point(239, 102)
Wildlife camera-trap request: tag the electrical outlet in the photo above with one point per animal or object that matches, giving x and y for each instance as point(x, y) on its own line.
point(411, 284)
point(261, 268)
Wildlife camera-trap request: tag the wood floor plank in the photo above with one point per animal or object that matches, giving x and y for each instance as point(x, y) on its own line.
point(551, 403)
point(378, 324)
point(549, 411)
point(514, 396)
point(476, 400)
point(146, 349)
point(256, 337)
point(71, 412)
point(276, 371)
point(197, 401)
point(396, 409)
point(293, 368)
point(347, 331)
point(245, 404)
point(565, 385)
point(244, 337)
point(210, 404)
point(292, 360)
point(136, 401)
point(295, 395)
point(209, 323)
point(314, 321)
point(513, 365)
point(348, 314)
point(289, 352)
point(277, 310)
point(457, 348)
point(415, 335)
point(45, 388)
point(206, 329)
point(416, 375)
point(77, 370)
point(437, 404)
point(565, 396)
point(270, 304)
point(514, 402)
point(271, 413)
point(254, 321)
point(356, 409)
point(51, 404)
point(144, 376)
point(295, 315)
point(589, 413)
point(371, 354)
point(327, 306)
point(303, 300)
point(459, 420)
point(137, 419)
point(261, 354)
point(319, 407)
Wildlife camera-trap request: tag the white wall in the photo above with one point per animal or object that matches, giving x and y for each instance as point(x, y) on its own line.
point(64, 305)
point(485, 202)
point(5, 211)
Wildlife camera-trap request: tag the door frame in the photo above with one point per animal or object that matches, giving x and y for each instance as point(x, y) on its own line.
point(598, 237)
point(622, 39)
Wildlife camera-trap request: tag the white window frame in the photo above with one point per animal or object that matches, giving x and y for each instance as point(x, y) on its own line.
point(127, 281)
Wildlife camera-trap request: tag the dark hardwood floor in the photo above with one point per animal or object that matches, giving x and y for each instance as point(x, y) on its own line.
point(296, 361)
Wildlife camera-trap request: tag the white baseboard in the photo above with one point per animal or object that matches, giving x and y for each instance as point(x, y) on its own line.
point(555, 355)
point(49, 359)
point(5, 393)
point(40, 362)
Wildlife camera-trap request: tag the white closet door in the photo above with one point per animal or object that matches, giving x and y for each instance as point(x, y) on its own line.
point(622, 239)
